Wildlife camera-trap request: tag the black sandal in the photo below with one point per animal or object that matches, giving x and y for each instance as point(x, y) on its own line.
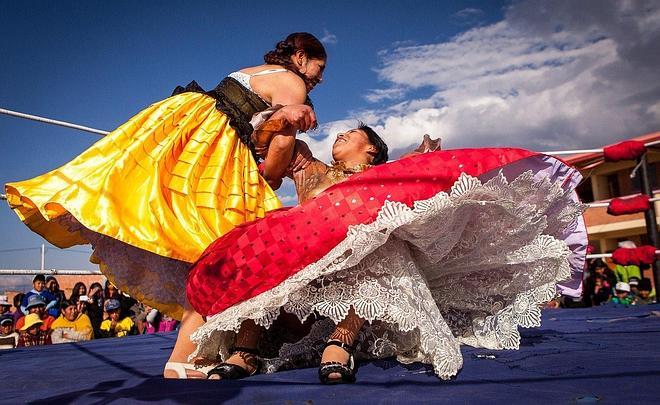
point(228, 371)
point(347, 371)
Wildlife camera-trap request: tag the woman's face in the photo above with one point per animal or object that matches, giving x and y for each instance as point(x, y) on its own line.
point(352, 146)
point(71, 313)
point(312, 69)
point(94, 291)
point(112, 291)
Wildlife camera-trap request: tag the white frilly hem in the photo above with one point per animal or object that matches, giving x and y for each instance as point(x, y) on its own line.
point(465, 267)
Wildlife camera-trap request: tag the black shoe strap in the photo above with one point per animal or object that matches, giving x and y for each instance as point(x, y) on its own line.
point(334, 342)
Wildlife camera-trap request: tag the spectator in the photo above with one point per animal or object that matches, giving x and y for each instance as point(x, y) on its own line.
point(53, 286)
point(78, 290)
point(18, 314)
point(32, 332)
point(622, 294)
point(5, 306)
point(157, 323)
point(94, 307)
point(595, 296)
point(111, 291)
point(643, 296)
point(39, 288)
point(135, 309)
point(602, 291)
point(115, 325)
point(633, 282)
point(129, 305)
point(625, 273)
point(37, 305)
point(8, 337)
point(140, 318)
point(71, 326)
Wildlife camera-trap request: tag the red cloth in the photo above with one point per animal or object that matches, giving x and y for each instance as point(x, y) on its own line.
point(258, 256)
point(640, 255)
point(626, 150)
point(624, 206)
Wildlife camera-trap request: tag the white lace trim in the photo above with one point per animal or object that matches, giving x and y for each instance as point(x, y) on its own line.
point(427, 291)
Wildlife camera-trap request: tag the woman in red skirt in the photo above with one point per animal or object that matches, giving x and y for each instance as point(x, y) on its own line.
point(409, 259)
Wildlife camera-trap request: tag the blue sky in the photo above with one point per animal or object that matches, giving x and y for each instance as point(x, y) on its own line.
point(476, 73)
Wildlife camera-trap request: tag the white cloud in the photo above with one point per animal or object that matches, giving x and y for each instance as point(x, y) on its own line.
point(289, 199)
point(377, 95)
point(328, 37)
point(550, 75)
point(468, 16)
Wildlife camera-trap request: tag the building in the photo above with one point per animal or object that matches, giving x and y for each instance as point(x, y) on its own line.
point(607, 180)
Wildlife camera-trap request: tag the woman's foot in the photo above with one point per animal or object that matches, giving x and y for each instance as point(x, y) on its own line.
point(242, 363)
point(184, 370)
point(337, 363)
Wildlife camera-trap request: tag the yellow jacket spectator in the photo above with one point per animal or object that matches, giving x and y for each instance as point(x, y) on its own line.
point(71, 326)
point(114, 325)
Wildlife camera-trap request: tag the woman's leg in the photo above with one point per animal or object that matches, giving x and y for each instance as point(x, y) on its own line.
point(346, 332)
point(183, 346)
point(248, 337)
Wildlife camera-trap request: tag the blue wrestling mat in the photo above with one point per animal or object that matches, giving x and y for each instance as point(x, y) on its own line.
point(606, 355)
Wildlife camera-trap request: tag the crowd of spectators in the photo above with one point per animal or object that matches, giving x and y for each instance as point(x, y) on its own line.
point(44, 315)
point(616, 285)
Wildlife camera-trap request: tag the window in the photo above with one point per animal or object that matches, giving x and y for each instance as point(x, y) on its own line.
point(585, 192)
point(613, 185)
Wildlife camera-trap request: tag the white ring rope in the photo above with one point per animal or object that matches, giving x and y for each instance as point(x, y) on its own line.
point(54, 122)
point(53, 272)
point(607, 255)
point(101, 132)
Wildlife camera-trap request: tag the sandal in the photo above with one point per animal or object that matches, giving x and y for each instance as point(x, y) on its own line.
point(181, 368)
point(347, 371)
point(228, 371)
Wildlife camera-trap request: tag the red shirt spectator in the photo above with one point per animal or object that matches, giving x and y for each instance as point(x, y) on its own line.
point(37, 305)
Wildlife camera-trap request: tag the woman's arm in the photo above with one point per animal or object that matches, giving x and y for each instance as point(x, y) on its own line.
point(279, 134)
point(57, 336)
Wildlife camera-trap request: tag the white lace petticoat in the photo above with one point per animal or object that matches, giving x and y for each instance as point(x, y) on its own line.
point(464, 267)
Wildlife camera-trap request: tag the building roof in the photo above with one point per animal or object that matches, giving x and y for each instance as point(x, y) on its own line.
point(591, 160)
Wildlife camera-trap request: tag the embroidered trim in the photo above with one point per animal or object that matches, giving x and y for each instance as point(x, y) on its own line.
point(426, 292)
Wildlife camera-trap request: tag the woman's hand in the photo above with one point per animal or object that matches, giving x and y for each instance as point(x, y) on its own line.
point(427, 145)
point(299, 115)
point(302, 157)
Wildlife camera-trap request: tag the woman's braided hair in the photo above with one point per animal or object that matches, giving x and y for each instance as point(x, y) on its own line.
point(283, 51)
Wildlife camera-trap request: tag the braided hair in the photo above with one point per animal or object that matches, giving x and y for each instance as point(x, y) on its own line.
point(302, 41)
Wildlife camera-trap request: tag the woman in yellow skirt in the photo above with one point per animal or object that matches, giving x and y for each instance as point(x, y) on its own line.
point(153, 194)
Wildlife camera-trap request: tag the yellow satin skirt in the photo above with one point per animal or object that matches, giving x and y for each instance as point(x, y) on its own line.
point(169, 181)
